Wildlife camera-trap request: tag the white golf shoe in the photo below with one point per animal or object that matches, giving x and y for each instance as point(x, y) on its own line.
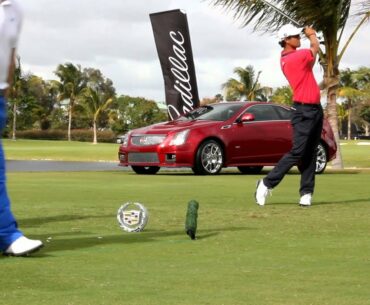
point(305, 200)
point(23, 247)
point(262, 191)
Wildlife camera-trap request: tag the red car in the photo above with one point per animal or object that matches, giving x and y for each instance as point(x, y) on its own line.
point(246, 135)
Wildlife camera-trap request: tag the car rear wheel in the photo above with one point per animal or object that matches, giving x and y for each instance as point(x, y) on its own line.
point(145, 170)
point(209, 158)
point(321, 159)
point(250, 169)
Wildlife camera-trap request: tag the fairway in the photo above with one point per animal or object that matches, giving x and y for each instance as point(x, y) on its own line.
point(245, 254)
point(356, 154)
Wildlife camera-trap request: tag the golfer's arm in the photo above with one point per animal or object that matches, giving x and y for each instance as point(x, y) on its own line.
point(314, 45)
point(11, 70)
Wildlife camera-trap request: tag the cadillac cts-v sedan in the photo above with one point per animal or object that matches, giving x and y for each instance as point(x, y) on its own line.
point(246, 135)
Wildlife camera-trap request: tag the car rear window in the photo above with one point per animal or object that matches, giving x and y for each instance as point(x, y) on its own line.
point(213, 112)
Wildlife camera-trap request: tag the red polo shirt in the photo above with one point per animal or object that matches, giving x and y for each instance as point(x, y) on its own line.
point(297, 68)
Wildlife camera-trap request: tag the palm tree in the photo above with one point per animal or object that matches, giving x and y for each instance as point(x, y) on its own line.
point(362, 76)
point(327, 16)
point(356, 89)
point(283, 95)
point(94, 104)
point(365, 115)
point(350, 91)
point(70, 87)
point(15, 93)
point(342, 115)
point(246, 87)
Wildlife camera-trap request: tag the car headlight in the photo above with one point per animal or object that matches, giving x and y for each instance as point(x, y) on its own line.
point(179, 138)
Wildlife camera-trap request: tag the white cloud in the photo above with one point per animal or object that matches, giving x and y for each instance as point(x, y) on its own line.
point(116, 37)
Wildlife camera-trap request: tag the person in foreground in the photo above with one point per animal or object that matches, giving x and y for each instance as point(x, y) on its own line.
point(307, 117)
point(12, 241)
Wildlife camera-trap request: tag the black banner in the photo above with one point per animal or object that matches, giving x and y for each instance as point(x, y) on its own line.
point(172, 38)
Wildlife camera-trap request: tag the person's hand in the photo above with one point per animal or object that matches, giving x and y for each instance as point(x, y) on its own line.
point(308, 31)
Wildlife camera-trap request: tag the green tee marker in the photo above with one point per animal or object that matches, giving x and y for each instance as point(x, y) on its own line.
point(191, 219)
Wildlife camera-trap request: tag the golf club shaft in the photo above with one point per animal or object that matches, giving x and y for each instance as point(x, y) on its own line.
point(296, 23)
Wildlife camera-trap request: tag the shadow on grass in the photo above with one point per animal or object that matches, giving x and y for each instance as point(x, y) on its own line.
point(36, 222)
point(295, 172)
point(343, 201)
point(77, 243)
point(292, 172)
point(343, 172)
point(325, 202)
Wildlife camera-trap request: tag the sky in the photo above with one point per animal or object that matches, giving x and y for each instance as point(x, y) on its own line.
point(116, 37)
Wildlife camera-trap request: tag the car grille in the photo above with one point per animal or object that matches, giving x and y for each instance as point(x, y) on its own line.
point(147, 140)
point(143, 158)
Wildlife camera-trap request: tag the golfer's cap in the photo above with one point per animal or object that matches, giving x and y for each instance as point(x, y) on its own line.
point(288, 30)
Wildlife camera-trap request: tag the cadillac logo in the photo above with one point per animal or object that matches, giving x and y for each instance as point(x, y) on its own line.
point(132, 217)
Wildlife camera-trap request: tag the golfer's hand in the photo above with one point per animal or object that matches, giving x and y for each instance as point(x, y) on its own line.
point(308, 31)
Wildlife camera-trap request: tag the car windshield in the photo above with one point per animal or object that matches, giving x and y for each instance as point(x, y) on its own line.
point(214, 112)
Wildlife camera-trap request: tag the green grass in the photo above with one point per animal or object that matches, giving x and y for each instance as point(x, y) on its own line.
point(354, 155)
point(279, 254)
point(59, 150)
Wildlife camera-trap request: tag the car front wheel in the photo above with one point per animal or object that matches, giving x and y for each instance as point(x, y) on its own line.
point(145, 170)
point(321, 159)
point(209, 158)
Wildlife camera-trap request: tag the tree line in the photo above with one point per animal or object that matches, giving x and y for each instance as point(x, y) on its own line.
point(81, 98)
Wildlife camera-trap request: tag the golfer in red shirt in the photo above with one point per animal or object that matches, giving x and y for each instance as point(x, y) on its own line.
point(307, 117)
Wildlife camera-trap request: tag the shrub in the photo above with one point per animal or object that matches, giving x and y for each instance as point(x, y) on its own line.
point(54, 134)
point(87, 135)
point(82, 135)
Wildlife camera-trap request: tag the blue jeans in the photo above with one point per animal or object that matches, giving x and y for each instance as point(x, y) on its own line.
point(8, 226)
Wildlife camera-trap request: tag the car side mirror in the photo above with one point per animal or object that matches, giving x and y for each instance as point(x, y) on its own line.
point(247, 117)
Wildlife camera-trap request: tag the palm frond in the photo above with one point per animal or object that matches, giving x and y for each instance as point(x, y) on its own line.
point(349, 92)
point(327, 16)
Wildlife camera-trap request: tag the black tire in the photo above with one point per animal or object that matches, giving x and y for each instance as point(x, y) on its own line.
point(251, 170)
point(321, 158)
point(145, 170)
point(209, 159)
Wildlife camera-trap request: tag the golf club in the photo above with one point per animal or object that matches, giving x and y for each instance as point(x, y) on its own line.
point(296, 23)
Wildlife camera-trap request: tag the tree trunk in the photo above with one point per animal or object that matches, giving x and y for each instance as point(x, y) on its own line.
point(367, 130)
point(95, 137)
point(14, 121)
point(337, 163)
point(69, 120)
point(340, 126)
point(349, 121)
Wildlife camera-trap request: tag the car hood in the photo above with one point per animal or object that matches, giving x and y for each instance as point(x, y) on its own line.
point(174, 126)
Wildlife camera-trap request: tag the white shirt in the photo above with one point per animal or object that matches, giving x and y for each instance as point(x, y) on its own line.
point(10, 26)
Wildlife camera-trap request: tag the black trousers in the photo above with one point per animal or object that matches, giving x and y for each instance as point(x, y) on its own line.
point(307, 123)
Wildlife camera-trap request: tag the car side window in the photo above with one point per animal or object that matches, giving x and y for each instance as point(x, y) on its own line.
point(283, 113)
point(263, 112)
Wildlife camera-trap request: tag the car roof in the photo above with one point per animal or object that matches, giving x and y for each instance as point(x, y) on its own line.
point(247, 103)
